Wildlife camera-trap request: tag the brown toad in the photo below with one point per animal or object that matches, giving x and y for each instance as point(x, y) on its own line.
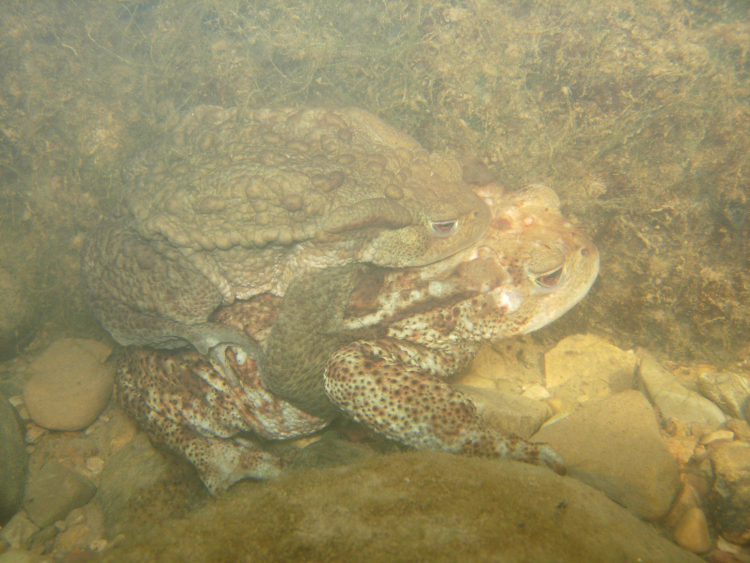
point(233, 203)
point(399, 336)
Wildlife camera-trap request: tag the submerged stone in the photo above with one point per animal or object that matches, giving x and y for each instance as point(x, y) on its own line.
point(408, 507)
point(13, 462)
point(615, 445)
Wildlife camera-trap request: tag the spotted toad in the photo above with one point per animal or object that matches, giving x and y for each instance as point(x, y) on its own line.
point(401, 335)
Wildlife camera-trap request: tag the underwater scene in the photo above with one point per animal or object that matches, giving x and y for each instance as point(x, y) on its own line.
point(375, 281)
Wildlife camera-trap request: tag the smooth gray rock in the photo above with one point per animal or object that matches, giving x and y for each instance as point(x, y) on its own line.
point(615, 445)
point(400, 508)
point(13, 462)
point(54, 491)
point(674, 399)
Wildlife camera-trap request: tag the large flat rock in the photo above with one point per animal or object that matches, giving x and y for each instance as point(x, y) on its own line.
point(408, 507)
point(615, 446)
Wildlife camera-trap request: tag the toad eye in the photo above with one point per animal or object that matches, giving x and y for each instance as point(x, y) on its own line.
point(550, 279)
point(444, 228)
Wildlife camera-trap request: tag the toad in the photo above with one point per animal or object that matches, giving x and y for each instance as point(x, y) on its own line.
point(234, 203)
point(384, 358)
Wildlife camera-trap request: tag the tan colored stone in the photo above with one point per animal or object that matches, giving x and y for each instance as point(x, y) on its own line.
point(70, 386)
point(687, 498)
point(740, 428)
point(716, 436)
point(71, 537)
point(119, 431)
point(508, 414)
point(585, 357)
point(536, 392)
point(599, 444)
point(681, 448)
point(691, 532)
point(508, 368)
point(53, 492)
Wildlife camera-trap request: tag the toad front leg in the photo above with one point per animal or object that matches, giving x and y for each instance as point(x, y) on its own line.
point(378, 384)
point(144, 298)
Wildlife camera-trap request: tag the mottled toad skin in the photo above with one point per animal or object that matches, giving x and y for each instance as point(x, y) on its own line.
point(233, 203)
point(400, 334)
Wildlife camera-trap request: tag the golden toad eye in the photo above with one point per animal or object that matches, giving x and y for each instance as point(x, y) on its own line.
point(444, 228)
point(550, 279)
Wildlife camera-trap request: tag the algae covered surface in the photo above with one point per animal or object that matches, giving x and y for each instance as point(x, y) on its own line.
point(636, 113)
point(408, 507)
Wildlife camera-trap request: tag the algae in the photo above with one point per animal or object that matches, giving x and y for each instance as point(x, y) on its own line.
point(636, 113)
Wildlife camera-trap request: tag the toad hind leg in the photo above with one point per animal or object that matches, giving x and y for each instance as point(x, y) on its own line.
point(220, 461)
point(371, 383)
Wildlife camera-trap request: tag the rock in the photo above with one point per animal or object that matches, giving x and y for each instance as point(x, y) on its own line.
point(18, 316)
point(119, 431)
point(740, 428)
point(42, 540)
point(729, 501)
point(19, 531)
point(675, 400)
point(19, 556)
point(590, 359)
point(330, 452)
point(716, 436)
point(599, 444)
point(681, 448)
point(54, 491)
point(70, 386)
point(421, 506)
point(730, 391)
point(691, 532)
point(81, 529)
point(134, 468)
point(505, 367)
point(13, 462)
point(724, 545)
point(536, 392)
point(508, 414)
point(140, 484)
point(687, 499)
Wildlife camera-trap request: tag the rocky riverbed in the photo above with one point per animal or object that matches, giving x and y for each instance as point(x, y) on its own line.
point(656, 471)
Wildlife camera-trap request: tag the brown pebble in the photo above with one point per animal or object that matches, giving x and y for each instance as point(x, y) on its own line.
point(686, 499)
point(701, 485)
point(740, 428)
point(715, 436)
point(691, 532)
point(718, 556)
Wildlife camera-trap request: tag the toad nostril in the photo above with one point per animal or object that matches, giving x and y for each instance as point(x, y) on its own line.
point(585, 252)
